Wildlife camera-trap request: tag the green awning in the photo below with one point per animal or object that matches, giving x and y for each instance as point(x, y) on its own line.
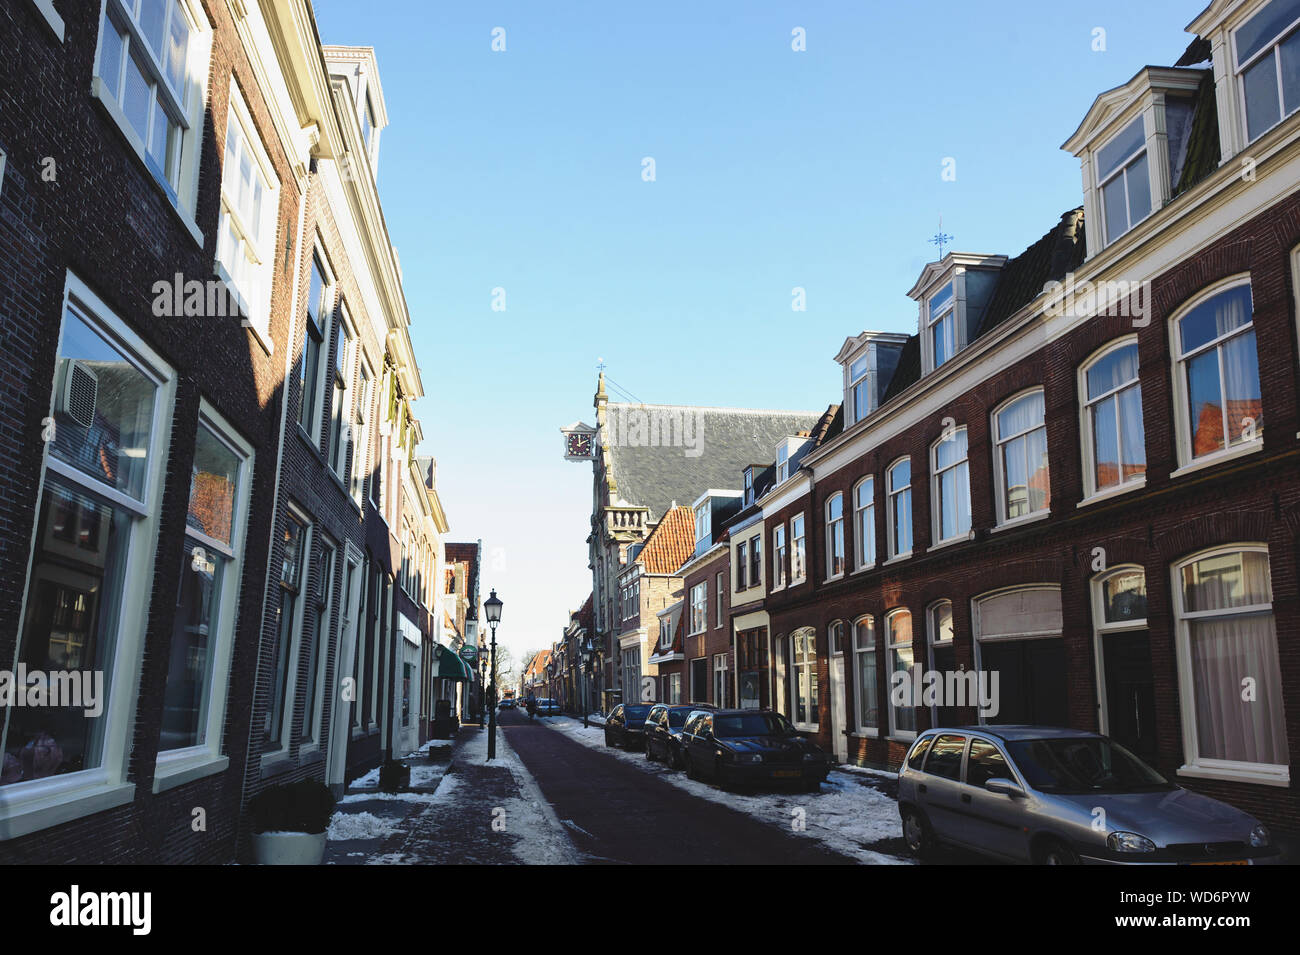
point(449, 666)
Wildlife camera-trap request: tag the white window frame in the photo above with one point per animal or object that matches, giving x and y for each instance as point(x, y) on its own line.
point(361, 418)
point(799, 548)
point(1194, 764)
point(186, 106)
point(720, 579)
point(1121, 169)
point(782, 461)
point(807, 661)
point(835, 534)
point(742, 565)
point(864, 518)
point(1270, 48)
point(1182, 420)
point(310, 733)
point(778, 557)
point(256, 239)
point(860, 728)
point(348, 345)
point(933, 640)
point(1101, 627)
point(323, 364)
point(892, 647)
point(279, 747)
point(860, 380)
point(173, 767)
point(720, 679)
point(699, 608)
point(40, 803)
point(946, 314)
point(1087, 408)
point(892, 494)
point(937, 473)
point(999, 471)
point(703, 522)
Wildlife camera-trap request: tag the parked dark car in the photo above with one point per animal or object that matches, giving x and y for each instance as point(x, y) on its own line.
point(663, 730)
point(508, 703)
point(547, 707)
point(1062, 797)
point(750, 746)
point(625, 725)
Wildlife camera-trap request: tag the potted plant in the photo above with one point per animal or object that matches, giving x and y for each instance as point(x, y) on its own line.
point(289, 823)
point(395, 776)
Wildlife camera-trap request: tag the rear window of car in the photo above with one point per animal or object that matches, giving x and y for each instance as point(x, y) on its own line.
point(945, 757)
point(637, 712)
point(678, 717)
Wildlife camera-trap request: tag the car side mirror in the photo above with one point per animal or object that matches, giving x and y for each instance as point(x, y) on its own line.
point(1005, 787)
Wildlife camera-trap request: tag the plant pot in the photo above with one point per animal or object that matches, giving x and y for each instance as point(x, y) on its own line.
point(289, 848)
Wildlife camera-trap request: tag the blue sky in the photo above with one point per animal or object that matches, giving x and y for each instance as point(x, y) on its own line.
point(820, 169)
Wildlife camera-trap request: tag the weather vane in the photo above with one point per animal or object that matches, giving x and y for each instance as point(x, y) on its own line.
point(941, 238)
point(600, 364)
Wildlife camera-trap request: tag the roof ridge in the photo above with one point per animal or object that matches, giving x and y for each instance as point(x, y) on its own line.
point(760, 411)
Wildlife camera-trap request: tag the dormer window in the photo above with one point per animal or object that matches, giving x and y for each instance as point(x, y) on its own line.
point(868, 361)
point(1268, 63)
point(859, 384)
point(749, 486)
point(702, 523)
point(1124, 179)
point(942, 325)
point(782, 463)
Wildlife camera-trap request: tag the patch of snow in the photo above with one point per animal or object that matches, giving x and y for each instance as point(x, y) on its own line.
point(359, 825)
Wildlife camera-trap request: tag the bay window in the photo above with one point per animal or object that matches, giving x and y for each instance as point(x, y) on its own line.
point(899, 484)
point(1021, 458)
point(1233, 719)
point(1217, 374)
point(1113, 435)
point(951, 487)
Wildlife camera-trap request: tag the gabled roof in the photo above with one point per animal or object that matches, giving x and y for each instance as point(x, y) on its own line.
point(730, 438)
point(670, 543)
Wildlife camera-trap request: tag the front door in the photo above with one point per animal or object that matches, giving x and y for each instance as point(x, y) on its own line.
point(341, 731)
point(1130, 692)
point(838, 738)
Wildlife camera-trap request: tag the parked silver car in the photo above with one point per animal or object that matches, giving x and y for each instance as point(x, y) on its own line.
point(1061, 797)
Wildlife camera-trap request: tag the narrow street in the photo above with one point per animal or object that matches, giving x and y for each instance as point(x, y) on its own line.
point(615, 813)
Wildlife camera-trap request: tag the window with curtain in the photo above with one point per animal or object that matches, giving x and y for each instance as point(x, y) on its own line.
point(803, 676)
point(1228, 645)
point(1218, 374)
point(951, 491)
point(898, 633)
point(899, 484)
point(1114, 443)
point(1023, 476)
point(864, 522)
point(866, 689)
point(835, 535)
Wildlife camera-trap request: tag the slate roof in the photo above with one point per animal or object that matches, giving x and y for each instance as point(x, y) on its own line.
point(656, 477)
point(1203, 148)
point(671, 543)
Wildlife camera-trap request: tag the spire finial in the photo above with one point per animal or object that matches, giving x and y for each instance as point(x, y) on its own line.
point(940, 238)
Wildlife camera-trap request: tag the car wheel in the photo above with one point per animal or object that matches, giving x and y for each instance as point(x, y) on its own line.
point(690, 766)
point(650, 756)
point(1055, 852)
point(607, 742)
point(674, 760)
point(916, 832)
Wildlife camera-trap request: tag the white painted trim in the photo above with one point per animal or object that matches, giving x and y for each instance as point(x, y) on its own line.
point(51, 16)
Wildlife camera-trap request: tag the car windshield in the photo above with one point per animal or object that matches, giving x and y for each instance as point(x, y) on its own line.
point(678, 717)
point(636, 712)
point(751, 724)
point(1084, 765)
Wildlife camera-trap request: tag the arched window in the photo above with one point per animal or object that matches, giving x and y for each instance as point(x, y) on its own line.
point(950, 490)
point(803, 678)
point(898, 635)
point(1020, 433)
point(1114, 449)
point(866, 686)
point(899, 484)
point(835, 535)
point(1216, 376)
point(1228, 668)
point(864, 522)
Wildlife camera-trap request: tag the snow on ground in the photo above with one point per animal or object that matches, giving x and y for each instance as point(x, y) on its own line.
point(359, 825)
point(369, 781)
point(426, 775)
point(847, 816)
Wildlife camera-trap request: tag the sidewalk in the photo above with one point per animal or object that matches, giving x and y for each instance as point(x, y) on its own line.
point(460, 810)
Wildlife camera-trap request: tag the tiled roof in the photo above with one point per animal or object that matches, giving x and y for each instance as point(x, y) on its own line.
point(829, 425)
point(1203, 148)
point(730, 439)
point(671, 543)
point(1022, 279)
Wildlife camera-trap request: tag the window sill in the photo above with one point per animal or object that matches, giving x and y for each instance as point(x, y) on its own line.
point(1260, 778)
point(961, 539)
point(897, 559)
point(864, 568)
point(100, 92)
point(1110, 492)
point(46, 9)
point(801, 580)
point(865, 734)
point(170, 772)
point(23, 813)
point(805, 727)
point(832, 579)
point(312, 445)
point(777, 589)
point(1022, 521)
point(273, 764)
point(901, 737)
point(1218, 457)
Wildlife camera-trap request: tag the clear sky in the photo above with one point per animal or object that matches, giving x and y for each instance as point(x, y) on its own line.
point(522, 170)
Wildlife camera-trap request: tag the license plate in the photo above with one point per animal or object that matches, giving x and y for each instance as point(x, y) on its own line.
point(1232, 862)
point(787, 773)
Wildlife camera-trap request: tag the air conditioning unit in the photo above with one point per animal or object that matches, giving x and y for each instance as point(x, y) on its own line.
point(76, 391)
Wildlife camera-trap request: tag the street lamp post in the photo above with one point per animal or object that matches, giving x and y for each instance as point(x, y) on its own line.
point(482, 691)
point(492, 606)
point(586, 651)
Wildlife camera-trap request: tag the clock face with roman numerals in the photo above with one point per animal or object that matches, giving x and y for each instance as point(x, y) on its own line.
point(578, 445)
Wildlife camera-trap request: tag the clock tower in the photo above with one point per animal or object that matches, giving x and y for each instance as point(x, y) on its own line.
point(579, 441)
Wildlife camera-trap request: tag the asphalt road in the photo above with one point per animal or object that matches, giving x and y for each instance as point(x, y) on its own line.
point(617, 814)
